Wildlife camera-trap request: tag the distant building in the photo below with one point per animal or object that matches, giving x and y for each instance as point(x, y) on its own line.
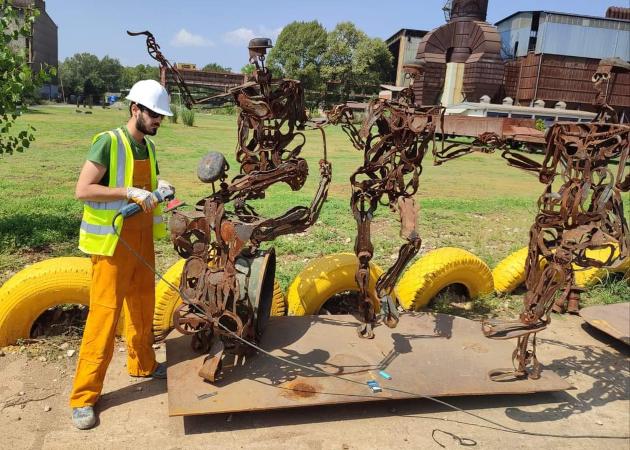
point(553, 55)
point(42, 46)
point(403, 46)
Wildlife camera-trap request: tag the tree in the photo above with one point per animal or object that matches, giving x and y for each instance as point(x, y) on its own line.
point(131, 75)
point(214, 67)
point(105, 74)
point(18, 79)
point(248, 69)
point(298, 54)
point(353, 61)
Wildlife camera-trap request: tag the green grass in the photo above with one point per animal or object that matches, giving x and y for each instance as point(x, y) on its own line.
point(477, 203)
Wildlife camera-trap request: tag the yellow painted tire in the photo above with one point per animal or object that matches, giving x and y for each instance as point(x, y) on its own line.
point(166, 300)
point(39, 287)
point(510, 272)
point(440, 268)
point(324, 277)
point(593, 276)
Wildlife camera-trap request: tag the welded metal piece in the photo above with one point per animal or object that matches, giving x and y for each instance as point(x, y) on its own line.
point(227, 281)
point(581, 212)
point(415, 355)
point(394, 138)
point(611, 319)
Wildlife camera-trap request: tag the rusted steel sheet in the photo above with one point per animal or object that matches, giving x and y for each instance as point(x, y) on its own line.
point(611, 319)
point(525, 134)
point(580, 210)
point(418, 355)
point(567, 79)
point(474, 126)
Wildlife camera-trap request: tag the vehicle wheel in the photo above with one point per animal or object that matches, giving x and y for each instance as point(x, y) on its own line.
point(46, 284)
point(439, 269)
point(324, 277)
point(166, 300)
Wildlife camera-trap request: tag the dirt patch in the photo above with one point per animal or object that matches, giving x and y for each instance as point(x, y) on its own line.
point(343, 303)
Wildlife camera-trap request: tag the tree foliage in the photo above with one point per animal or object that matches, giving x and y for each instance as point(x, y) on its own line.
point(298, 54)
point(332, 66)
point(131, 75)
point(248, 69)
point(353, 62)
point(18, 80)
point(105, 74)
point(214, 67)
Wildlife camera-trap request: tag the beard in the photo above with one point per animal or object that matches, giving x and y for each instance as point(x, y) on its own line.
point(143, 126)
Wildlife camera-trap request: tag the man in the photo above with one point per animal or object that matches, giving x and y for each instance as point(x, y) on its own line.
point(121, 166)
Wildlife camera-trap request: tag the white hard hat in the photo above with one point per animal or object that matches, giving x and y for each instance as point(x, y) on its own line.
point(152, 95)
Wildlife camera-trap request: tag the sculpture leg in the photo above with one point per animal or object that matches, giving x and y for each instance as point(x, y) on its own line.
point(363, 213)
point(408, 210)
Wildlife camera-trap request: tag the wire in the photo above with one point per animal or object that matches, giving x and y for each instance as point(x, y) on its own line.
point(204, 316)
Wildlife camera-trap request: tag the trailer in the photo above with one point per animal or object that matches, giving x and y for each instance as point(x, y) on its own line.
point(517, 132)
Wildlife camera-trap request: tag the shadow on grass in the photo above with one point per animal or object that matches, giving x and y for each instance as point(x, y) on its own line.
point(18, 231)
point(31, 111)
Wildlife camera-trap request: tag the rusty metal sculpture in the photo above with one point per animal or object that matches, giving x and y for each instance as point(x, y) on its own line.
point(583, 214)
point(394, 138)
point(227, 281)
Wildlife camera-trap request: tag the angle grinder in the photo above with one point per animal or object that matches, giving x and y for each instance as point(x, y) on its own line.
point(161, 195)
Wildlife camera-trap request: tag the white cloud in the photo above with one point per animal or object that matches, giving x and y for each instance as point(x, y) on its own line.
point(186, 39)
point(242, 36)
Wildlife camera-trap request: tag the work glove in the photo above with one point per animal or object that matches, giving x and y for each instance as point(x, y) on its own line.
point(144, 198)
point(163, 184)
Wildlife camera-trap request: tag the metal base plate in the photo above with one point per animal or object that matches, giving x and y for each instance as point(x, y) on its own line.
point(426, 355)
point(611, 319)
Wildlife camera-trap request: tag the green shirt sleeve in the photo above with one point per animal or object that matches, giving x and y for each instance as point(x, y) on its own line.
point(100, 153)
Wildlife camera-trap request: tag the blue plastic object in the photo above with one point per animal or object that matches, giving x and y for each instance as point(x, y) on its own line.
point(385, 375)
point(374, 387)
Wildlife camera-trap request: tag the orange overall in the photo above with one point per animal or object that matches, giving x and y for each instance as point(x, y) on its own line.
point(117, 280)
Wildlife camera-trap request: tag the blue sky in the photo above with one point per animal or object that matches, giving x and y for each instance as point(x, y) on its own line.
point(200, 32)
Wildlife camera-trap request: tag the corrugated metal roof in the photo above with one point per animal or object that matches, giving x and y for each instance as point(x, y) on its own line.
point(559, 13)
point(582, 41)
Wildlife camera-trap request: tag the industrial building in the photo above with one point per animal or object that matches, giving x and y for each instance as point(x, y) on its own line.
point(551, 57)
point(42, 46)
point(534, 59)
point(403, 46)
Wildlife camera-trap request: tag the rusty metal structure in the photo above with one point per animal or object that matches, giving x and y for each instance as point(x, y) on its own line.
point(227, 280)
point(543, 65)
point(394, 138)
point(582, 214)
point(465, 39)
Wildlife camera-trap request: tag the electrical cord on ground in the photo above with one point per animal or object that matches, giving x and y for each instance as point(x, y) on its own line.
point(502, 427)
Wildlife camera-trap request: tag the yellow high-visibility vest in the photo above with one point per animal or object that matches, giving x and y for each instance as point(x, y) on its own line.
point(97, 236)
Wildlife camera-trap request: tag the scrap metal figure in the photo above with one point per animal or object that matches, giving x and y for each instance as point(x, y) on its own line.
point(227, 281)
point(394, 138)
point(583, 214)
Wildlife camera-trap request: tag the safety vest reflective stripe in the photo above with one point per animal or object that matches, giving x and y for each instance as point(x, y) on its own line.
point(121, 157)
point(157, 219)
point(114, 205)
point(96, 229)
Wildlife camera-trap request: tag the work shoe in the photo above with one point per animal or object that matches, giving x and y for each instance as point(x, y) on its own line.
point(160, 371)
point(83, 417)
